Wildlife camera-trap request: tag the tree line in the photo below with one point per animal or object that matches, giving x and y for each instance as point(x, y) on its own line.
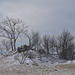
point(11, 29)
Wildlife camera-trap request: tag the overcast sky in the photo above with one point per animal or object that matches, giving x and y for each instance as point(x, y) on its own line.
point(45, 16)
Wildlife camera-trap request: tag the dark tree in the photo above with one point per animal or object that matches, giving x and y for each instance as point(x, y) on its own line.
point(66, 45)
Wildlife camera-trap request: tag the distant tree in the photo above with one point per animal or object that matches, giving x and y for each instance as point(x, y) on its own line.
point(66, 45)
point(46, 43)
point(6, 44)
point(53, 44)
point(11, 29)
point(34, 40)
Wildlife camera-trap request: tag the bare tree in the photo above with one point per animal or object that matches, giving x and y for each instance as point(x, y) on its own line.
point(21, 57)
point(53, 44)
point(66, 45)
point(34, 40)
point(11, 29)
point(46, 43)
point(6, 44)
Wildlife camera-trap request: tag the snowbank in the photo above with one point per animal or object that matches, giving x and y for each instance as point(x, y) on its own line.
point(35, 60)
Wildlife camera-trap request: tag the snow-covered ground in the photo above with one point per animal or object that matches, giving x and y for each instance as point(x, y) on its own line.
point(38, 65)
point(10, 59)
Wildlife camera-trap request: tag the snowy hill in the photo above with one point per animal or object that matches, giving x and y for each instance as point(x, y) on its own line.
point(36, 65)
point(33, 58)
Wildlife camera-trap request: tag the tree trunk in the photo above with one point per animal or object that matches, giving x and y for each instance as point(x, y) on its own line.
point(11, 45)
point(14, 44)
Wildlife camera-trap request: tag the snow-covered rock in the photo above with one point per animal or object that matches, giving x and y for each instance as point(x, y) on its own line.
point(29, 61)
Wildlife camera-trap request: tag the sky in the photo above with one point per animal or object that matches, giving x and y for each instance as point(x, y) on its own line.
point(45, 16)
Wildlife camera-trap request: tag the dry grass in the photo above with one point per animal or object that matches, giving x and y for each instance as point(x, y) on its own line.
point(65, 66)
point(66, 69)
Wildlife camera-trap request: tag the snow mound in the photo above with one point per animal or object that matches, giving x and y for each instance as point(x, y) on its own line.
point(29, 61)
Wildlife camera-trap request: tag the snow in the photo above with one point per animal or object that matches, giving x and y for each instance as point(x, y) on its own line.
point(29, 61)
point(68, 62)
point(44, 60)
point(73, 61)
point(35, 66)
